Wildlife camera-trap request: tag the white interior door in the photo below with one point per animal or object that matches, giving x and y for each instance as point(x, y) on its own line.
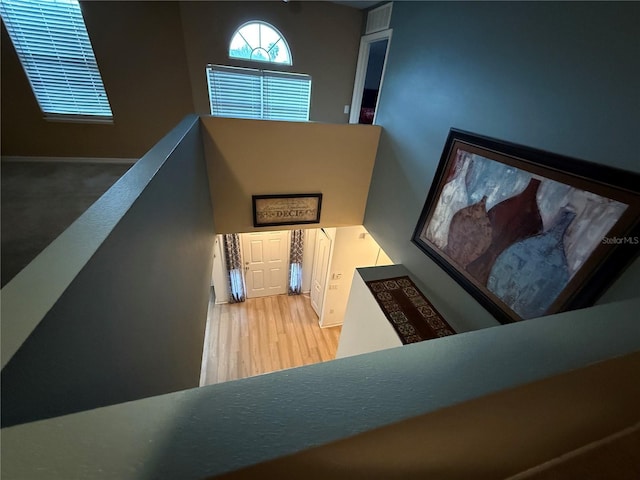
point(266, 263)
point(320, 271)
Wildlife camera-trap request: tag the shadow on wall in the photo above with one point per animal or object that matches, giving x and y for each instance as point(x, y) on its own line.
point(218, 168)
point(131, 323)
point(285, 412)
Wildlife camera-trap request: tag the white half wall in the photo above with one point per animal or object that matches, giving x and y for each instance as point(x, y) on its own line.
point(203, 432)
point(353, 247)
point(365, 328)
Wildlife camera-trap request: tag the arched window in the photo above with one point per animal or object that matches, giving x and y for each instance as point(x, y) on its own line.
point(259, 41)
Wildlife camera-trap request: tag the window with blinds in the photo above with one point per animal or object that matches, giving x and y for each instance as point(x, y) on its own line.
point(53, 45)
point(258, 94)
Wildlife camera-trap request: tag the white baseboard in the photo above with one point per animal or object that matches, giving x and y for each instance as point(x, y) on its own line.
point(13, 158)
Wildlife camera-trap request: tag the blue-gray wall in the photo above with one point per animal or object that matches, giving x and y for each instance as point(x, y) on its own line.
point(558, 76)
point(131, 324)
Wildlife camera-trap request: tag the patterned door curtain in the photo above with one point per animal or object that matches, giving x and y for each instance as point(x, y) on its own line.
point(295, 259)
point(234, 267)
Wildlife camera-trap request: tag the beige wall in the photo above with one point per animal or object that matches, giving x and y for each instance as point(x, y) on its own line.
point(254, 157)
point(488, 438)
point(152, 57)
point(140, 52)
point(324, 39)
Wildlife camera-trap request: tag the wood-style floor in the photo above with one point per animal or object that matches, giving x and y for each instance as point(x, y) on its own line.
point(263, 335)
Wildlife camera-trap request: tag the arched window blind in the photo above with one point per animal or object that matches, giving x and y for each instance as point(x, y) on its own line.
point(258, 94)
point(53, 45)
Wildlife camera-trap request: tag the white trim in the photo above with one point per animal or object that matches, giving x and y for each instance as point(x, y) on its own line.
point(17, 158)
point(69, 118)
point(207, 340)
point(250, 22)
point(361, 71)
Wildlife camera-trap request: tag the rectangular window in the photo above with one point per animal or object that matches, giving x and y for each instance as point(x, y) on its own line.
point(53, 45)
point(258, 94)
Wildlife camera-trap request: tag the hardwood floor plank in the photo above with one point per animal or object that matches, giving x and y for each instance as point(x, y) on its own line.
point(222, 345)
point(263, 335)
point(298, 327)
point(286, 344)
point(283, 351)
point(292, 343)
point(263, 329)
point(254, 342)
point(279, 314)
point(276, 364)
point(308, 331)
point(271, 304)
point(234, 343)
point(244, 353)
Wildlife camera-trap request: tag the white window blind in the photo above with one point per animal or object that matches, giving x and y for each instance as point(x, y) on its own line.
point(52, 43)
point(258, 94)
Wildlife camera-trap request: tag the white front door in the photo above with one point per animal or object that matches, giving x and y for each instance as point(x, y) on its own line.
point(266, 263)
point(320, 269)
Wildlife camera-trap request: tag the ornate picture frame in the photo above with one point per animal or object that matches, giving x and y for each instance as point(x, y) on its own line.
point(526, 232)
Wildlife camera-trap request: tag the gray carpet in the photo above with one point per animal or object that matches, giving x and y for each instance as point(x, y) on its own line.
point(40, 200)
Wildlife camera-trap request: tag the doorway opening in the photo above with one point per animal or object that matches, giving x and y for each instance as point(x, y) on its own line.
point(372, 59)
point(272, 330)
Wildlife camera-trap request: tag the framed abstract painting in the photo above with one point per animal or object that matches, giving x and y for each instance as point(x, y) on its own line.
point(528, 233)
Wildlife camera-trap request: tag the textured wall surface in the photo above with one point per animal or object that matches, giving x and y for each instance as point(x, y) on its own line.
point(560, 77)
point(131, 323)
point(202, 432)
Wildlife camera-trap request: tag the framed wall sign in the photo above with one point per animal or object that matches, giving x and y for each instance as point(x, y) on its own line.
point(287, 209)
point(528, 233)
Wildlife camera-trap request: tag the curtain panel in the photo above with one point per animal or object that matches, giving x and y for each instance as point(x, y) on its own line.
point(295, 259)
point(234, 267)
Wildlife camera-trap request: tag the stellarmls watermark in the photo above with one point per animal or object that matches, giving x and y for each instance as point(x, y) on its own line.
point(621, 240)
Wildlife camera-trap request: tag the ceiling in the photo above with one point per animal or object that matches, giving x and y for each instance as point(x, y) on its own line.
point(358, 4)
